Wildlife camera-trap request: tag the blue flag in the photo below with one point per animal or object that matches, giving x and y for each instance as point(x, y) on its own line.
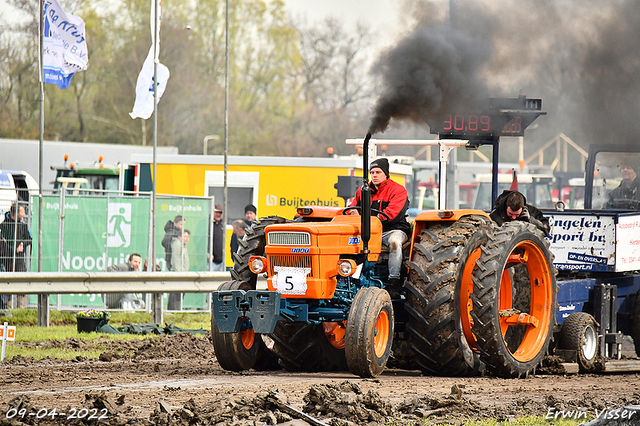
point(65, 45)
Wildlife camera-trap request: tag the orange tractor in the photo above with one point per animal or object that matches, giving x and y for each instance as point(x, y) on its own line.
point(474, 296)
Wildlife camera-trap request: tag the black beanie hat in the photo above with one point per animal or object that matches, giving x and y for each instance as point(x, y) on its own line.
point(250, 208)
point(381, 163)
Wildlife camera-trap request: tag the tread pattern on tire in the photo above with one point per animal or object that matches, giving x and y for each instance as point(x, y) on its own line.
point(360, 335)
point(434, 324)
point(571, 336)
point(304, 347)
point(227, 345)
point(487, 277)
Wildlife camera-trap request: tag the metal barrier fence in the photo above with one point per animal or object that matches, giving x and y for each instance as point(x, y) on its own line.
point(90, 230)
point(95, 283)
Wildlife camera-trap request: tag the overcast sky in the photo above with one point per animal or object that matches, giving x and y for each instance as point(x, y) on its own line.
point(382, 15)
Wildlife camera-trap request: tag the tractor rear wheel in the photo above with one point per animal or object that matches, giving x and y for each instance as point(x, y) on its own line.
point(369, 334)
point(438, 303)
point(253, 244)
point(580, 333)
point(305, 347)
point(514, 243)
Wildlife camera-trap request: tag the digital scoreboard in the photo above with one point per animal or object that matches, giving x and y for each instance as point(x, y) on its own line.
point(501, 117)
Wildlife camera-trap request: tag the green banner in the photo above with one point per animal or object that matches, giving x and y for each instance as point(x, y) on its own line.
point(99, 231)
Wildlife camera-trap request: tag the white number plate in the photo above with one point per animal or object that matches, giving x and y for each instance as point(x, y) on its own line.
point(288, 280)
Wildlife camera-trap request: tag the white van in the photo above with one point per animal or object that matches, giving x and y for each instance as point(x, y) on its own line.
point(16, 186)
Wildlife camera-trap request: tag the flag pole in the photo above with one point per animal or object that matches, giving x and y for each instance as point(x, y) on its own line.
point(43, 299)
point(157, 297)
point(226, 123)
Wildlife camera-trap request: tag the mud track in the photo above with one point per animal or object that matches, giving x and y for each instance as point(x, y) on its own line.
point(177, 380)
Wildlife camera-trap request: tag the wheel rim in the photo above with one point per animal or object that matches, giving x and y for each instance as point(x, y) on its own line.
point(537, 320)
point(335, 332)
point(248, 337)
point(589, 343)
point(381, 339)
point(466, 305)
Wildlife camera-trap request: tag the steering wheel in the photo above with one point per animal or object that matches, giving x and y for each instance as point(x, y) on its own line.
point(375, 211)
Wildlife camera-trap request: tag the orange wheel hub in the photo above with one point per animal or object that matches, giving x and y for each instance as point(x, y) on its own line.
point(335, 332)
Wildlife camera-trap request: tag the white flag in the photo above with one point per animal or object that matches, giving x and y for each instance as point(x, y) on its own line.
point(143, 107)
point(64, 45)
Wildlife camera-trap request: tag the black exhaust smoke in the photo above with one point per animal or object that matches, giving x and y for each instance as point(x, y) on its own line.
point(435, 70)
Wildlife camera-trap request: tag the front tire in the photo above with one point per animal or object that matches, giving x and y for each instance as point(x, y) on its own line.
point(235, 351)
point(369, 334)
point(580, 333)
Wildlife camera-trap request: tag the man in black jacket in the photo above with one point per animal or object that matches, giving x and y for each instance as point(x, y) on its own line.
point(171, 230)
point(512, 205)
point(627, 194)
point(15, 241)
point(217, 258)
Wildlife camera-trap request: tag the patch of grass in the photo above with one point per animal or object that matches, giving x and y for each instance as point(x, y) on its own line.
point(29, 317)
point(63, 326)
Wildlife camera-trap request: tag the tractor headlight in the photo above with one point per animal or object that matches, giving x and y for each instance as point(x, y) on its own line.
point(257, 264)
point(346, 267)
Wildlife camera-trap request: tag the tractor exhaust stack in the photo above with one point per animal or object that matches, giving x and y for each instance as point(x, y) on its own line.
point(366, 197)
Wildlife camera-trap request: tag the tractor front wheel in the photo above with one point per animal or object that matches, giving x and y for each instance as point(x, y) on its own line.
point(580, 333)
point(243, 350)
point(369, 334)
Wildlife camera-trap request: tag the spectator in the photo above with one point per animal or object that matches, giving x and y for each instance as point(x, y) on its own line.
point(512, 205)
point(249, 217)
point(217, 255)
point(627, 194)
point(238, 232)
point(250, 214)
point(179, 263)
point(15, 242)
point(124, 300)
point(171, 230)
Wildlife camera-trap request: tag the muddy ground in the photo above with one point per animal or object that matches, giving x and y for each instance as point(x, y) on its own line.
point(177, 380)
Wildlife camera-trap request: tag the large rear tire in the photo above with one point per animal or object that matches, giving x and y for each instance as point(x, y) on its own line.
point(253, 244)
point(514, 243)
point(305, 347)
point(369, 334)
point(439, 284)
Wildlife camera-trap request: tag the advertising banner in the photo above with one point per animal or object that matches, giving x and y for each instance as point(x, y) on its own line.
point(98, 232)
point(583, 242)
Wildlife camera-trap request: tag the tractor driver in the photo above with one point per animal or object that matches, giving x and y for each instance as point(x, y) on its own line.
point(391, 199)
point(512, 205)
point(627, 190)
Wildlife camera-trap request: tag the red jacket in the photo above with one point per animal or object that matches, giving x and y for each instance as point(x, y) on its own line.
point(392, 200)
